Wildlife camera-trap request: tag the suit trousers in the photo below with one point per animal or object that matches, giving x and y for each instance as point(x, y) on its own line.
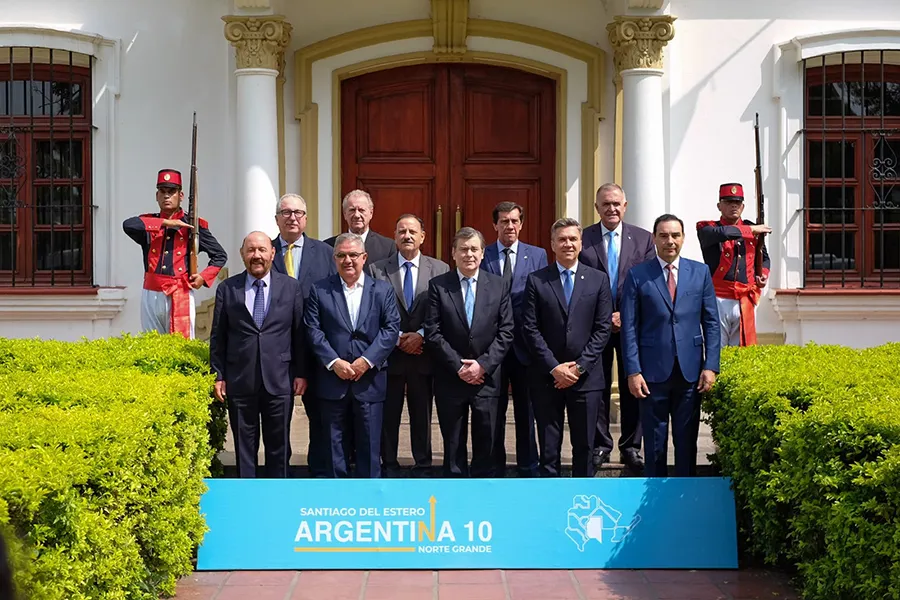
point(515, 373)
point(317, 450)
point(348, 420)
point(629, 407)
point(453, 416)
point(550, 408)
point(245, 414)
point(418, 390)
point(678, 398)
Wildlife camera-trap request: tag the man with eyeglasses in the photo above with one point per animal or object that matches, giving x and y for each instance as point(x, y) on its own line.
point(167, 300)
point(307, 260)
point(353, 326)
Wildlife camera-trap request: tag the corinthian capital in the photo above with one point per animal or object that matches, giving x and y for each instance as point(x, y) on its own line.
point(638, 42)
point(259, 42)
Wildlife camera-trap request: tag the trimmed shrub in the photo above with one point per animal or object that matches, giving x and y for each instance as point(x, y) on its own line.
point(811, 439)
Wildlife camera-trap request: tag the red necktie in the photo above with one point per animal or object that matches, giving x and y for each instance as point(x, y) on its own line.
point(670, 281)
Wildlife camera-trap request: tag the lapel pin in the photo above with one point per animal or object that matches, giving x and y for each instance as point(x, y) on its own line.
point(582, 276)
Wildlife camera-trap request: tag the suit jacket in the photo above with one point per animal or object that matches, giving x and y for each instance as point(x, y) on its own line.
point(331, 336)
point(411, 318)
point(558, 333)
point(654, 330)
point(635, 247)
point(378, 247)
point(450, 339)
point(316, 262)
point(529, 259)
point(248, 357)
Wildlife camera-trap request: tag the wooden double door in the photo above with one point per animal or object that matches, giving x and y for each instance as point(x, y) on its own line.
point(447, 142)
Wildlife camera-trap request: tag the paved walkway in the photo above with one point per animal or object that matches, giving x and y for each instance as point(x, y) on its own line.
point(485, 585)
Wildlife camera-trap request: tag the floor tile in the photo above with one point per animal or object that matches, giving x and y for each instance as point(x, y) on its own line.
point(470, 577)
point(261, 578)
point(672, 576)
point(340, 578)
point(612, 576)
point(385, 592)
point(401, 578)
point(481, 591)
point(618, 591)
point(253, 592)
point(196, 592)
point(689, 591)
point(558, 591)
point(326, 592)
point(538, 577)
point(205, 578)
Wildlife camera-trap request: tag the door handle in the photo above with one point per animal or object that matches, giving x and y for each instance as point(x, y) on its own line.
point(439, 233)
point(458, 218)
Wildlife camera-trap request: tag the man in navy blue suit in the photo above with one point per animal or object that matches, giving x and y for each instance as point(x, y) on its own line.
point(671, 341)
point(308, 261)
point(353, 325)
point(567, 319)
point(256, 350)
point(513, 260)
point(614, 246)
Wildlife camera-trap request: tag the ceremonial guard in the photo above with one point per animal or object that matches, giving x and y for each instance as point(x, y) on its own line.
point(167, 301)
point(729, 250)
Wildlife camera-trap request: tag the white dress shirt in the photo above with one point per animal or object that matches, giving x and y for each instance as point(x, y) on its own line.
point(513, 256)
point(250, 291)
point(562, 278)
point(473, 283)
point(296, 253)
point(353, 295)
point(676, 263)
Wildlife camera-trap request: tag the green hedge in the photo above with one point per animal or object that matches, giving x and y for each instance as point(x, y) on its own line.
point(811, 439)
point(103, 449)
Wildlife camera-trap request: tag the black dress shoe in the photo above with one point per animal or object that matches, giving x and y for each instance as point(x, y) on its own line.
point(632, 459)
point(601, 457)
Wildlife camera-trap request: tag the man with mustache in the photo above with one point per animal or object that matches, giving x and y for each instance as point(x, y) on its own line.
point(358, 209)
point(256, 350)
point(167, 300)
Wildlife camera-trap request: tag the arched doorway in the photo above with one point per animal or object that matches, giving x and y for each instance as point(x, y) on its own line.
point(447, 142)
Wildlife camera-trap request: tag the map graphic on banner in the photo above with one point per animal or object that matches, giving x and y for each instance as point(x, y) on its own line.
point(452, 524)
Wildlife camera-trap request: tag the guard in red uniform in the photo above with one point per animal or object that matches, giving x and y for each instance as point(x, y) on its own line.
point(729, 250)
point(167, 301)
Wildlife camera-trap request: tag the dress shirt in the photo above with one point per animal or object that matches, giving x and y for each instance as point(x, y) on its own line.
point(415, 280)
point(562, 278)
point(664, 264)
point(297, 253)
point(250, 291)
point(617, 239)
point(513, 256)
point(473, 283)
point(353, 295)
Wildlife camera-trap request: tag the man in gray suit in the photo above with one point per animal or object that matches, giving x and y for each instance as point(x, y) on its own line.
point(409, 366)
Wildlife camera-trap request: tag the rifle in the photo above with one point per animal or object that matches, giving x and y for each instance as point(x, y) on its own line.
point(760, 206)
point(193, 213)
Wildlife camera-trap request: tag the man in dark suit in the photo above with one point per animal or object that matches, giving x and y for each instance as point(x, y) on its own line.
point(613, 247)
point(256, 349)
point(513, 260)
point(671, 342)
point(358, 209)
point(353, 325)
point(306, 260)
point(410, 372)
point(567, 318)
point(468, 329)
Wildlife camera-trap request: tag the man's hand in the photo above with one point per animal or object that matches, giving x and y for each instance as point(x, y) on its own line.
point(299, 386)
point(360, 366)
point(758, 229)
point(197, 281)
point(411, 342)
point(707, 379)
point(219, 391)
point(176, 223)
point(343, 369)
point(762, 280)
point(616, 321)
point(471, 372)
point(564, 375)
point(637, 386)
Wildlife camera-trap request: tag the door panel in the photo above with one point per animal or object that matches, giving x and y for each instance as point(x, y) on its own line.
point(459, 138)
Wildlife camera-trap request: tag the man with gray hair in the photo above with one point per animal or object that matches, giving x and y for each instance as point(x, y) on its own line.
point(614, 247)
point(358, 210)
point(307, 260)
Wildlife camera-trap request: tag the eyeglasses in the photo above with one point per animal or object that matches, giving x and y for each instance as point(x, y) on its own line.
point(299, 214)
point(350, 255)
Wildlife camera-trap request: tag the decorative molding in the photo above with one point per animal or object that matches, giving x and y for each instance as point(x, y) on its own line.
point(647, 4)
point(770, 339)
point(251, 4)
point(638, 42)
point(106, 304)
point(450, 19)
point(259, 41)
point(835, 305)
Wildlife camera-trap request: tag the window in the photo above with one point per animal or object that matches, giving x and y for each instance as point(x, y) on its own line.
point(45, 167)
point(852, 146)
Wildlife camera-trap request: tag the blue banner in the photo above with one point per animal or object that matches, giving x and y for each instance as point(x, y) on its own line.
point(561, 523)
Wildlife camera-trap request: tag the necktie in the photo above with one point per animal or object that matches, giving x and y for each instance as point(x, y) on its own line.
point(670, 281)
point(289, 261)
point(567, 285)
point(612, 263)
point(470, 300)
point(259, 303)
point(507, 265)
point(408, 285)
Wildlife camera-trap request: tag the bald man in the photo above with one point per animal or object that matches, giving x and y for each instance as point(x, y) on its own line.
point(257, 353)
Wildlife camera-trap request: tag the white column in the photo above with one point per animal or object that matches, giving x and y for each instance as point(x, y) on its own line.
point(257, 151)
point(643, 162)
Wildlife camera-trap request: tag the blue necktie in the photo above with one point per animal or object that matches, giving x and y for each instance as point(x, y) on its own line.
point(470, 300)
point(567, 285)
point(408, 285)
point(259, 303)
point(612, 263)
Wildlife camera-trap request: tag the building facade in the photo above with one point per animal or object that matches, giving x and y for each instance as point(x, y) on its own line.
point(444, 108)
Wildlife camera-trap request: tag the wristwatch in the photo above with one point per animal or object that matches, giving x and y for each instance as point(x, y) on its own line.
point(579, 368)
